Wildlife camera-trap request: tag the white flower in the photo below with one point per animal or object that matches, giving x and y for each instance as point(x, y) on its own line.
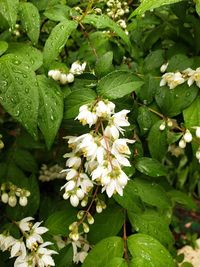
point(63, 78)
point(187, 136)
point(35, 235)
point(111, 131)
point(70, 78)
point(18, 249)
point(25, 224)
point(12, 201)
point(172, 79)
point(74, 162)
point(182, 143)
point(77, 68)
point(42, 256)
point(104, 109)
point(198, 132)
point(84, 182)
point(85, 116)
point(194, 76)
point(74, 200)
point(56, 75)
point(82, 245)
point(6, 242)
point(164, 67)
point(4, 197)
point(198, 154)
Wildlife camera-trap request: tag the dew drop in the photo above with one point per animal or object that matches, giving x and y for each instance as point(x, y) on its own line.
point(188, 94)
point(26, 90)
point(17, 113)
point(52, 117)
point(176, 96)
point(24, 75)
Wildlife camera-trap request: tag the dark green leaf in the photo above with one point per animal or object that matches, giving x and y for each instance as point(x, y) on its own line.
point(77, 99)
point(157, 141)
point(104, 251)
point(192, 114)
point(108, 223)
point(118, 84)
point(25, 160)
point(64, 258)
point(57, 40)
point(104, 64)
point(30, 19)
point(19, 91)
point(50, 108)
point(182, 198)
point(3, 47)
point(154, 60)
point(147, 251)
point(173, 101)
point(150, 167)
point(179, 62)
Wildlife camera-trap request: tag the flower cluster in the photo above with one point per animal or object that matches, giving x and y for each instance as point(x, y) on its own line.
point(30, 249)
point(80, 250)
point(16, 30)
point(96, 160)
point(52, 173)
point(187, 138)
point(173, 79)
point(9, 193)
point(63, 78)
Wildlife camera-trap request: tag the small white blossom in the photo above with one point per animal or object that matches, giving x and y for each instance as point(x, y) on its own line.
point(85, 116)
point(77, 68)
point(70, 78)
point(187, 136)
point(25, 224)
point(182, 143)
point(197, 132)
point(172, 79)
point(164, 67)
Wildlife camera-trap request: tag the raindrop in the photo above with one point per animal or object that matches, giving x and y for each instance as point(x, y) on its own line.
point(17, 113)
point(28, 107)
point(24, 75)
point(176, 95)
point(17, 78)
point(188, 94)
point(27, 90)
point(62, 27)
point(5, 75)
point(16, 62)
point(32, 61)
point(52, 117)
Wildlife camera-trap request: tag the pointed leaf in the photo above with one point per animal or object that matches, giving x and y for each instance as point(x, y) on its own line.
point(30, 19)
point(192, 114)
point(150, 167)
point(50, 108)
point(9, 9)
point(3, 47)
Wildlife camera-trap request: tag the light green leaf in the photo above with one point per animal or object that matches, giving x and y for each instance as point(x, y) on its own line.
point(75, 100)
point(150, 167)
point(152, 223)
point(102, 22)
point(151, 4)
point(192, 114)
point(30, 19)
point(182, 198)
point(157, 141)
point(3, 47)
point(104, 64)
point(57, 40)
point(104, 251)
point(198, 7)
point(173, 101)
point(50, 108)
point(57, 12)
point(58, 222)
point(19, 91)
point(118, 84)
point(147, 251)
point(117, 262)
point(9, 9)
point(106, 224)
point(30, 55)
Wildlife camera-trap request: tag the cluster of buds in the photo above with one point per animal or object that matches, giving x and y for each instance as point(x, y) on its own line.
point(30, 249)
point(1, 143)
point(64, 78)
point(173, 79)
point(168, 123)
point(10, 192)
point(187, 138)
point(50, 174)
point(96, 159)
point(16, 30)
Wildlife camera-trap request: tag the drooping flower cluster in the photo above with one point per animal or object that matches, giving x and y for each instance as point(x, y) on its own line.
point(98, 156)
point(9, 193)
point(173, 79)
point(30, 249)
point(50, 173)
point(80, 249)
point(76, 69)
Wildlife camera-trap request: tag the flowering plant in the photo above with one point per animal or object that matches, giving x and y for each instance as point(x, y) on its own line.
point(99, 131)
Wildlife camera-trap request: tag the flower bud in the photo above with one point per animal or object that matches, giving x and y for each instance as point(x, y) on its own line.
point(187, 136)
point(80, 214)
point(1, 144)
point(198, 154)
point(23, 201)
point(84, 202)
point(86, 228)
point(50, 73)
point(169, 123)
point(56, 75)
point(63, 78)
point(198, 132)
point(4, 197)
point(74, 200)
point(162, 126)
point(182, 143)
point(99, 208)
point(12, 201)
point(73, 227)
point(70, 78)
point(90, 219)
point(164, 67)
point(80, 194)
point(74, 236)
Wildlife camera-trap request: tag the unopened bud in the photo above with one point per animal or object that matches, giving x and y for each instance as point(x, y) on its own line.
point(84, 202)
point(164, 67)
point(23, 201)
point(99, 208)
point(4, 197)
point(162, 126)
point(74, 236)
point(198, 132)
point(63, 78)
point(86, 228)
point(12, 201)
point(169, 123)
point(70, 78)
point(80, 214)
point(187, 136)
point(74, 200)
point(90, 219)
point(182, 143)
point(198, 154)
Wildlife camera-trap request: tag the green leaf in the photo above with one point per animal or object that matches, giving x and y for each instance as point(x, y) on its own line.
point(130, 199)
point(30, 19)
point(152, 223)
point(50, 108)
point(173, 101)
point(151, 4)
point(58, 222)
point(183, 199)
point(154, 60)
point(102, 22)
point(108, 223)
point(151, 194)
point(65, 257)
point(3, 47)
point(77, 99)
point(19, 91)
point(150, 167)
point(117, 262)
point(9, 9)
point(105, 250)
point(118, 84)
point(179, 62)
point(198, 7)
point(25, 160)
point(192, 114)
point(57, 12)
point(147, 251)
point(57, 40)
point(157, 141)
point(104, 64)
point(30, 55)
